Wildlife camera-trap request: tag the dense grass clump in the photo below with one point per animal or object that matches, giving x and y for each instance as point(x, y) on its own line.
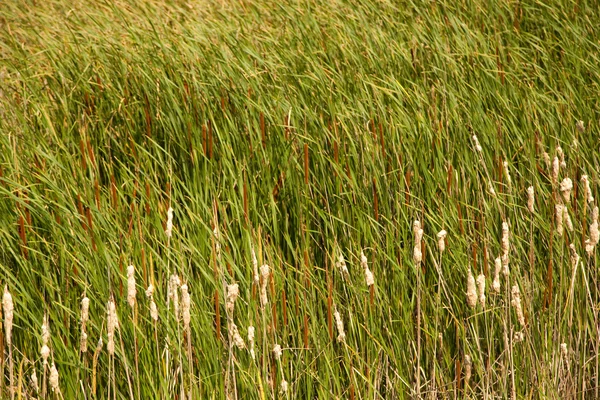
point(345, 199)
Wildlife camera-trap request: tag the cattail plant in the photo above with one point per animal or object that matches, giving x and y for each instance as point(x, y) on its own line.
point(530, 199)
point(566, 186)
point(85, 315)
point(481, 289)
point(561, 154)
point(173, 293)
point(505, 245)
point(339, 325)
point(251, 333)
point(555, 170)
point(497, 269)
point(546, 158)
point(442, 240)
point(233, 291)
point(45, 350)
point(131, 290)
point(169, 228)
point(477, 145)
point(471, 290)
point(8, 309)
point(277, 352)
point(516, 303)
point(341, 265)
point(54, 380)
point(153, 309)
point(112, 324)
point(265, 272)
point(559, 211)
point(34, 383)
point(418, 236)
point(235, 336)
point(468, 369)
point(587, 190)
point(255, 267)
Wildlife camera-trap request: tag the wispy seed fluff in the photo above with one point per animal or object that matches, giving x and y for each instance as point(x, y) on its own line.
point(131, 290)
point(442, 240)
point(255, 266)
point(481, 289)
point(370, 280)
point(574, 256)
point(418, 233)
point(555, 170)
point(233, 291)
point(471, 290)
point(173, 294)
point(566, 186)
point(496, 281)
point(591, 243)
point(236, 337)
point(169, 230)
point(85, 315)
point(558, 214)
point(580, 126)
point(341, 264)
point(265, 271)
point(516, 302)
point(284, 386)
point(34, 382)
point(587, 190)
point(468, 369)
point(530, 199)
point(477, 145)
point(45, 350)
point(277, 352)
point(507, 173)
point(185, 306)
point(8, 307)
point(339, 325)
point(54, 379)
point(505, 246)
point(251, 333)
point(112, 323)
point(492, 190)
point(153, 309)
point(546, 158)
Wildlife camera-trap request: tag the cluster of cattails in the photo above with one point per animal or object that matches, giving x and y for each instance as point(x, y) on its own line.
point(369, 279)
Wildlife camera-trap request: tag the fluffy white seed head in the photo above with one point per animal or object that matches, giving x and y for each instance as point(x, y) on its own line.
point(497, 268)
point(83, 342)
point(594, 235)
point(54, 384)
point(546, 158)
point(8, 308)
point(442, 240)
point(561, 154)
point(574, 256)
point(85, 310)
point(236, 337)
point(277, 351)
point(530, 199)
point(481, 289)
point(505, 247)
point(507, 173)
point(555, 169)
point(233, 291)
point(587, 190)
point(471, 290)
point(265, 272)
point(185, 306)
point(131, 290)
point(369, 279)
point(516, 302)
point(284, 386)
point(153, 308)
point(341, 265)
point(363, 260)
point(173, 292)
point(477, 145)
point(580, 125)
point(45, 353)
point(417, 254)
point(566, 186)
point(251, 333)
point(339, 325)
point(492, 190)
point(112, 323)
point(468, 369)
point(34, 382)
point(558, 215)
point(255, 266)
point(169, 230)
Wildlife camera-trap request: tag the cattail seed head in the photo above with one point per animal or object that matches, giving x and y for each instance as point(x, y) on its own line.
point(8, 308)
point(169, 230)
point(566, 186)
point(173, 294)
point(580, 126)
point(131, 290)
point(255, 266)
point(54, 379)
point(369, 279)
point(505, 247)
point(233, 291)
point(574, 256)
point(564, 351)
point(481, 289)
point(251, 333)
point(34, 382)
point(418, 232)
point(442, 240)
point(471, 290)
point(555, 170)
point(507, 173)
point(559, 214)
point(277, 352)
point(468, 369)
point(530, 199)
point(284, 386)
point(477, 145)
point(112, 323)
point(265, 272)
point(492, 190)
point(546, 158)
point(587, 190)
point(235, 336)
point(83, 342)
point(497, 268)
point(185, 307)
point(45, 353)
point(341, 265)
point(85, 310)
point(363, 260)
point(340, 326)
point(516, 302)
point(153, 308)
point(561, 154)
